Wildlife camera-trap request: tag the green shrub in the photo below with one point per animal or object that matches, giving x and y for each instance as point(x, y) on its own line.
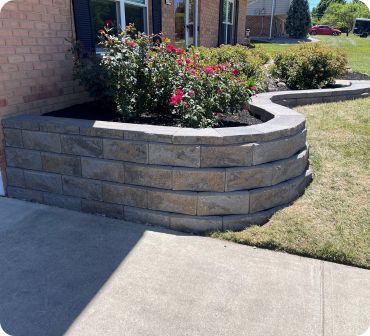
point(250, 61)
point(309, 66)
point(144, 76)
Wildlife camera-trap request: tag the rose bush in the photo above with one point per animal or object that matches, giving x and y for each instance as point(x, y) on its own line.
point(148, 75)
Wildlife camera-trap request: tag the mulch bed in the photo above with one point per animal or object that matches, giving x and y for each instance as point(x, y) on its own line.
point(355, 76)
point(95, 111)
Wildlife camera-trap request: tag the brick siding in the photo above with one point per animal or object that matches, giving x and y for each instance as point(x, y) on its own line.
point(260, 25)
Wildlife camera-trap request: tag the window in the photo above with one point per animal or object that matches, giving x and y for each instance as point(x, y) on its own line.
point(119, 14)
point(228, 13)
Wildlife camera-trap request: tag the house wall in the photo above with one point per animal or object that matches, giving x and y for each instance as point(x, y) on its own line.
point(264, 7)
point(260, 25)
point(36, 68)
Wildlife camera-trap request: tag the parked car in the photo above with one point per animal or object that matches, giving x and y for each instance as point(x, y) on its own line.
point(361, 27)
point(324, 30)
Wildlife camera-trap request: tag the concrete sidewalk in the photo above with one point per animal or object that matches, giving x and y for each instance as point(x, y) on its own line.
point(62, 272)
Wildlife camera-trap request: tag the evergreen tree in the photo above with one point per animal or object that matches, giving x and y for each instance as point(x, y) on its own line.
point(298, 22)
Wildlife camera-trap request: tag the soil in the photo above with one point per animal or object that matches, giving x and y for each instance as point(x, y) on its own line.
point(95, 111)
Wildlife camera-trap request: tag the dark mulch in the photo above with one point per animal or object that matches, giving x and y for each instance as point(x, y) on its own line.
point(95, 111)
point(355, 76)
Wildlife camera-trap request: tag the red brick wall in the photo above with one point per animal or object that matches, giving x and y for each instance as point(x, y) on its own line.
point(260, 26)
point(35, 65)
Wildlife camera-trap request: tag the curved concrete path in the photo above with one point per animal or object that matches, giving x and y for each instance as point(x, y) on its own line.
point(67, 273)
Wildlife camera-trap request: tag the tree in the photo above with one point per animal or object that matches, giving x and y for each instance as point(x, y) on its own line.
point(342, 15)
point(323, 5)
point(298, 22)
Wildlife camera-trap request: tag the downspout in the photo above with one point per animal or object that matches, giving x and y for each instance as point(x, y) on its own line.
point(272, 17)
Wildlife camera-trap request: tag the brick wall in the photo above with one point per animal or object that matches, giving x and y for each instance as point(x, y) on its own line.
point(35, 65)
point(168, 20)
point(260, 25)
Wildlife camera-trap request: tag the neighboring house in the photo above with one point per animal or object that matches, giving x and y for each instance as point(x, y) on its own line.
point(259, 14)
point(35, 63)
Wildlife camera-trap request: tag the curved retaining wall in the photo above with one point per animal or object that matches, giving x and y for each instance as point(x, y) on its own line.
point(185, 179)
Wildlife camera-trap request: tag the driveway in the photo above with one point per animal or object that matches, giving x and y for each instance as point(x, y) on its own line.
point(67, 273)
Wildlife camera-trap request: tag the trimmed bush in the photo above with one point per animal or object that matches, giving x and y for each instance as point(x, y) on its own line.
point(309, 66)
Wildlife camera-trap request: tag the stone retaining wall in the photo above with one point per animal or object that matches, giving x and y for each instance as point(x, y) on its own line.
point(185, 179)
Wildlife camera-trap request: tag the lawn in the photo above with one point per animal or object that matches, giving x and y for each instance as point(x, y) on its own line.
point(356, 48)
point(331, 220)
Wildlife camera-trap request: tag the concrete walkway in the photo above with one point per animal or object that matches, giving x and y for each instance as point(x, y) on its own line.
point(62, 272)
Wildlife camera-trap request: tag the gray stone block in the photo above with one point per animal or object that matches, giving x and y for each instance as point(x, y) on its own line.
point(43, 181)
point(13, 137)
point(103, 129)
point(173, 201)
point(230, 203)
point(84, 188)
point(84, 146)
point(227, 156)
point(104, 170)
point(25, 194)
point(248, 177)
point(125, 195)
point(15, 177)
point(23, 158)
point(199, 179)
point(174, 155)
point(149, 176)
point(62, 201)
point(287, 169)
point(195, 224)
point(102, 208)
point(144, 216)
point(62, 164)
point(26, 122)
point(130, 151)
point(60, 125)
point(279, 149)
point(47, 142)
point(280, 194)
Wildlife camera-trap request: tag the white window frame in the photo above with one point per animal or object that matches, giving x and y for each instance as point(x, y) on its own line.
point(227, 21)
point(145, 6)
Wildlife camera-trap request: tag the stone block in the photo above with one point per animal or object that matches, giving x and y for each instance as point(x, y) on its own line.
point(23, 158)
point(143, 216)
point(13, 137)
point(199, 179)
point(248, 177)
point(42, 141)
point(25, 194)
point(43, 181)
point(174, 155)
point(62, 164)
point(241, 222)
point(147, 175)
point(84, 188)
point(280, 194)
point(130, 151)
point(287, 169)
point(102, 208)
point(60, 125)
point(227, 156)
point(84, 146)
point(103, 129)
point(104, 170)
point(25, 122)
point(62, 201)
point(15, 177)
point(279, 149)
point(195, 224)
point(125, 195)
point(228, 203)
point(173, 201)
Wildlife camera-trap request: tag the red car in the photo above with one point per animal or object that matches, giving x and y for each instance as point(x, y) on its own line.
point(324, 30)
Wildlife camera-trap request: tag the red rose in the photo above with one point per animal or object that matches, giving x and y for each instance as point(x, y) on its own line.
point(191, 93)
point(209, 70)
point(253, 88)
point(236, 72)
point(179, 62)
point(108, 23)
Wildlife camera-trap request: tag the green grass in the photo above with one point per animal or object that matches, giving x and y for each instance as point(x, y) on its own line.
point(331, 221)
point(356, 48)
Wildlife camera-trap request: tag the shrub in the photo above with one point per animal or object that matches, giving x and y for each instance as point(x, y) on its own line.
point(309, 66)
point(150, 77)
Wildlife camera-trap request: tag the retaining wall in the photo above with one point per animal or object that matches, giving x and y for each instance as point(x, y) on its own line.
point(185, 179)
